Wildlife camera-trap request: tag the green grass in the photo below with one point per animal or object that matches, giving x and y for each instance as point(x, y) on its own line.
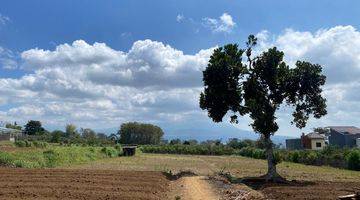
point(207, 165)
point(6, 143)
point(54, 156)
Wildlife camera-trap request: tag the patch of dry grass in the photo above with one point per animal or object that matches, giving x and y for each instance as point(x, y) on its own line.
point(208, 165)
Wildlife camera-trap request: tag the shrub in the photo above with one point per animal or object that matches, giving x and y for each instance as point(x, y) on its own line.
point(258, 154)
point(332, 156)
point(247, 151)
point(20, 143)
point(110, 151)
point(310, 158)
point(40, 144)
point(294, 156)
point(5, 158)
point(189, 149)
point(51, 158)
point(353, 160)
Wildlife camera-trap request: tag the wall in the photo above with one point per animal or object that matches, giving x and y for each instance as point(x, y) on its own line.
point(306, 142)
point(337, 139)
point(314, 141)
point(4, 137)
point(293, 144)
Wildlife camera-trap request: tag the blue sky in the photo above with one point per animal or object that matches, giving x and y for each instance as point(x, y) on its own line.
point(44, 24)
point(34, 71)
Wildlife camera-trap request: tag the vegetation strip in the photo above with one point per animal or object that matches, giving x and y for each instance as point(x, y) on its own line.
point(55, 156)
point(335, 157)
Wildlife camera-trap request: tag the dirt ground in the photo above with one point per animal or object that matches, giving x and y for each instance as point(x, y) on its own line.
point(140, 177)
point(193, 188)
point(90, 184)
point(315, 190)
point(81, 184)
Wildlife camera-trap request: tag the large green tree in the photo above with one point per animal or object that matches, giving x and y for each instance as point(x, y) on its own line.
point(138, 133)
point(70, 131)
point(34, 128)
point(257, 87)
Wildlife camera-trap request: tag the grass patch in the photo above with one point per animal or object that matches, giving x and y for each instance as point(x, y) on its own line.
point(55, 156)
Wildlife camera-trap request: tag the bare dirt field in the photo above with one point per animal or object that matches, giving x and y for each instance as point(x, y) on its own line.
point(141, 177)
point(81, 184)
point(315, 190)
point(314, 182)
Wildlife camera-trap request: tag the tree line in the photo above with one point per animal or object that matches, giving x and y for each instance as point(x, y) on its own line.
point(128, 133)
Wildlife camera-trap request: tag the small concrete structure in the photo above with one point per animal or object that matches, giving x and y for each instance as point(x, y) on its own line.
point(314, 141)
point(129, 150)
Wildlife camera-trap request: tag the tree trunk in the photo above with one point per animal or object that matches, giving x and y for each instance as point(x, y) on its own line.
point(272, 174)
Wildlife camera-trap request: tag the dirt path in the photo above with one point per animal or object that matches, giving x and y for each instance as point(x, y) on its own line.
point(194, 188)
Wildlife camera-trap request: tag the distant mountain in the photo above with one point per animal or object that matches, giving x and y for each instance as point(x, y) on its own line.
point(213, 131)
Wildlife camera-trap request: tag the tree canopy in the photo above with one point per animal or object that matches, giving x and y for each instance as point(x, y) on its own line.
point(138, 133)
point(34, 128)
point(258, 87)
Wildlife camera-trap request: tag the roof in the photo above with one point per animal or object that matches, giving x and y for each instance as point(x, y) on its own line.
point(345, 129)
point(8, 130)
point(315, 136)
point(293, 139)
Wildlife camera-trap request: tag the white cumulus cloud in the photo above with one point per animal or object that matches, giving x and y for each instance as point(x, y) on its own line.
point(83, 82)
point(337, 49)
point(225, 23)
point(87, 83)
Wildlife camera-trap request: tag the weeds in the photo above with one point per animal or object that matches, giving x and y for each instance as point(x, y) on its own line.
point(55, 156)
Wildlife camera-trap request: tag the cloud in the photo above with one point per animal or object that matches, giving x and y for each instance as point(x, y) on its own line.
point(4, 19)
point(180, 18)
point(337, 49)
point(7, 59)
point(154, 82)
point(147, 64)
point(224, 24)
point(83, 83)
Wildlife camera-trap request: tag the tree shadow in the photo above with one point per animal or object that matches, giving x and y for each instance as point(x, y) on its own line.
point(174, 176)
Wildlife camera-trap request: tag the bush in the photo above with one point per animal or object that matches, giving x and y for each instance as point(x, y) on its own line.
point(5, 158)
point(353, 160)
point(110, 152)
point(189, 149)
point(247, 151)
point(39, 144)
point(20, 143)
point(331, 156)
point(27, 143)
point(259, 154)
point(51, 158)
point(294, 156)
point(55, 156)
point(310, 158)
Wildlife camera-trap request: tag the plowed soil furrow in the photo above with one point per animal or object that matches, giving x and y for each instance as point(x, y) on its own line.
point(318, 190)
point(79, 184)
point(109, 188)
point(82, 180)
